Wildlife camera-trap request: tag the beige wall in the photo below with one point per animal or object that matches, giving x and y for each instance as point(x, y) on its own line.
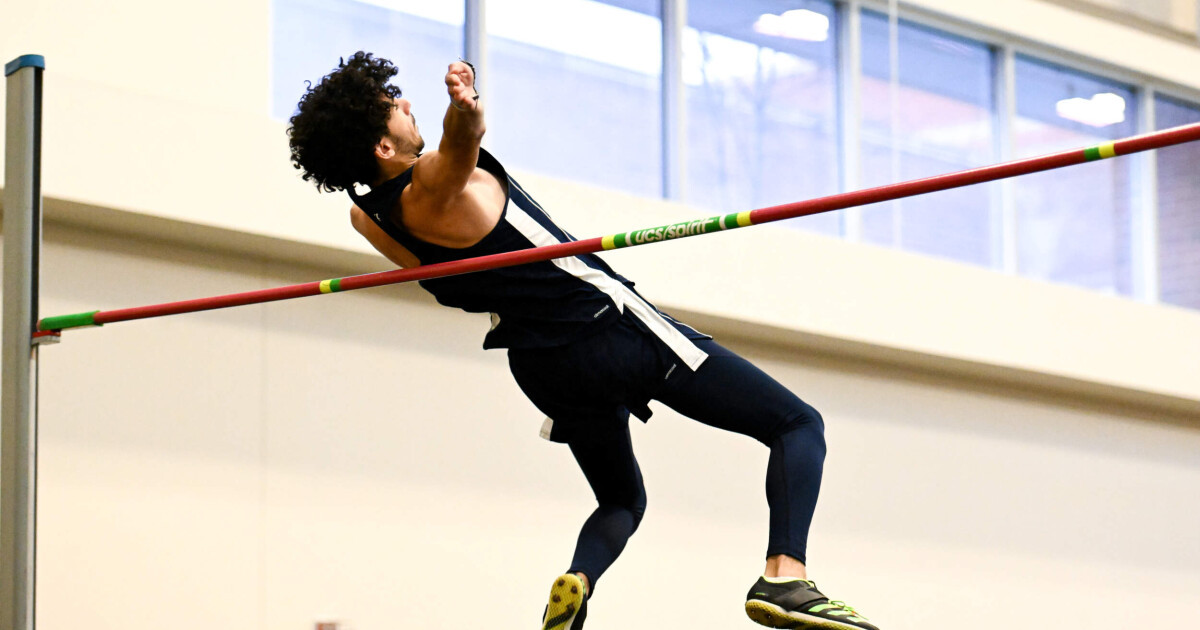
point(1080, 34)
point(993, 439)
point(358, 457)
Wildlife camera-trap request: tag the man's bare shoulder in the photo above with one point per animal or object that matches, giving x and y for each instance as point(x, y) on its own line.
point(359, 218)
point(458, 217)
point(380, 240)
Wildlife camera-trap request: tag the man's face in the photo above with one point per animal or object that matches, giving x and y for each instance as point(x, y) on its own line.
point(402, 128)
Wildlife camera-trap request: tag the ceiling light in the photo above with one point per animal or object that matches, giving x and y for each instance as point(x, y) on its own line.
point(1101, 110)
point(795, 24)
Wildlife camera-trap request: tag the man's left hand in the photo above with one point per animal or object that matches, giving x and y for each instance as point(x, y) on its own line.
point(460, 83)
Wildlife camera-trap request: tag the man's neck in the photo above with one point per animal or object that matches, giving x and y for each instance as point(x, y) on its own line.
point(389, 170)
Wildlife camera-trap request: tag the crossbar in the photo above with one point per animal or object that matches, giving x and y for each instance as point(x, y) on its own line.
point(1136, 144)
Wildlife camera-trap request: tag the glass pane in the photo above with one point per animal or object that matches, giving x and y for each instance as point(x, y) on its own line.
point(1073, 223)
point(420, 37)
point(574, 90)
point(761, 86)
point(943, 122)
point(1178, 209)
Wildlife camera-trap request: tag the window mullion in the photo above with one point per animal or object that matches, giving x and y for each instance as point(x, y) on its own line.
point(475, 39)
point(850, 116)
point(1005, 217)
point(674, 107)
point(1144, 241)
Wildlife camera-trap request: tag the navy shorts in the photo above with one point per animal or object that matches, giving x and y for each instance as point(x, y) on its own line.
point(595, 383)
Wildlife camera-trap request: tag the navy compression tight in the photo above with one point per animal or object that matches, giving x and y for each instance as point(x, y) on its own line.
point(730, 393)
point(588, 387)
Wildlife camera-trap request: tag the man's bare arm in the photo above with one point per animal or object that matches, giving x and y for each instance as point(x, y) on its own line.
point(442, 175)
point(379, 239)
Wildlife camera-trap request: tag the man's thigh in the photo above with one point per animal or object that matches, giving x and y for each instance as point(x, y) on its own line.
point(730, 393)
point(604, 452)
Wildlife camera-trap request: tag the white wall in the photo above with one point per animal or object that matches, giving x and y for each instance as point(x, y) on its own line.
point(357, 457)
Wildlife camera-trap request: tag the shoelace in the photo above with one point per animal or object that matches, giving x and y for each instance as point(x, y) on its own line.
point(847, 607)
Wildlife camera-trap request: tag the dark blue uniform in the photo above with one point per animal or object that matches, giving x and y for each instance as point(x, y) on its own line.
point(588, 350)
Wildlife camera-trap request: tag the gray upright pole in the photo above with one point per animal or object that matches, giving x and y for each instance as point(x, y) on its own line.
point(18, 406)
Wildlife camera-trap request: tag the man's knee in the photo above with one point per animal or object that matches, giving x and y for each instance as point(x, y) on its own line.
point(801, 419)
point(638, 509)
point(634, 507)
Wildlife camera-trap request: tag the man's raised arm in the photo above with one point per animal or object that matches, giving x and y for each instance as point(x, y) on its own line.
point(443, 174)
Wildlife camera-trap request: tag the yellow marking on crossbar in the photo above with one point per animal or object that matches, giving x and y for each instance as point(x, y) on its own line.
point(1108, 150)
point(325, 286)
point(608, 242)
point(743, 219)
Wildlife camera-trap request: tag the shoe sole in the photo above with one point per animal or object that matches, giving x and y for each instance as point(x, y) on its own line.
point(566, 598)
point(772, 616)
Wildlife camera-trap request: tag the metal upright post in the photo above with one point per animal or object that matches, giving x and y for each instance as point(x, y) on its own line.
point(18, 407)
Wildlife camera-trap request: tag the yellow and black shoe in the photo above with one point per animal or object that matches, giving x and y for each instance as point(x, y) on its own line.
point(568, 604)
point(796, 603)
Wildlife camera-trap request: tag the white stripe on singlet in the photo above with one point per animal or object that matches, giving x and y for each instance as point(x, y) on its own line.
point(621, 295)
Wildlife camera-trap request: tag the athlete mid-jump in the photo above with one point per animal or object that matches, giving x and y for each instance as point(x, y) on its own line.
point(583, 345)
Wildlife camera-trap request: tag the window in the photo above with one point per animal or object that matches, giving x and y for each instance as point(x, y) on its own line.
point(761, 92)
point(574, 90)
point(943, 114)
point(420, 37)
point(1178, 209)
point(1073, 223)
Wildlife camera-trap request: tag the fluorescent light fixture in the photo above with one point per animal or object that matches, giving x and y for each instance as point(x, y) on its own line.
point(803, 24)
point(451, 13)
point(637, 47)
point(1101, 110)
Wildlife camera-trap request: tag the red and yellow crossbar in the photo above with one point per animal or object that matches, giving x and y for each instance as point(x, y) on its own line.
point(1156, 140)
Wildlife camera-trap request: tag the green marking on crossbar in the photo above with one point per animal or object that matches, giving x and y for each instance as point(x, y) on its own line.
point(676, 230)
point(1100, 152)
point(75, 320)
point(670, 232)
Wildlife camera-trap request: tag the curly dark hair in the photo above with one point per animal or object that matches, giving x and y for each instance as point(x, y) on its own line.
point(340, 120)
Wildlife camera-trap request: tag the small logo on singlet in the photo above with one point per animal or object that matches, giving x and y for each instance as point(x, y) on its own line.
point(673, 366)
point(378, 217)
point(601, 311)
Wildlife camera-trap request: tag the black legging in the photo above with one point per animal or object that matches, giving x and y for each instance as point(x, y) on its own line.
point(588, 381)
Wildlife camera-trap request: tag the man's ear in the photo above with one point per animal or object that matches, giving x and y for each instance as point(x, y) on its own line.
point(385, 149)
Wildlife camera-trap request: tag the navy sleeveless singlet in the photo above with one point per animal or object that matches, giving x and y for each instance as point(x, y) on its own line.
point(536, 305)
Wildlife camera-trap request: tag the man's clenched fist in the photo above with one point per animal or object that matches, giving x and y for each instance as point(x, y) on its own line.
point(460, 83)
